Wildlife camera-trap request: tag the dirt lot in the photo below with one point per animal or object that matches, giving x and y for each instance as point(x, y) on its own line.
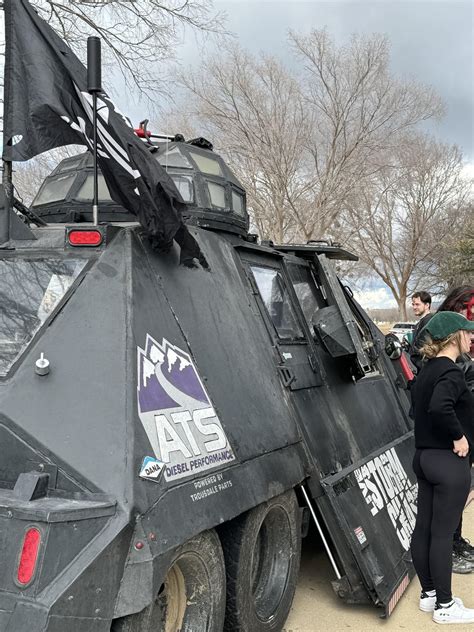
point(317, 609)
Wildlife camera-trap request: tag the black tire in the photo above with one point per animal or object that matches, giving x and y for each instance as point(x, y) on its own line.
point(192, 597)
point(262, 551)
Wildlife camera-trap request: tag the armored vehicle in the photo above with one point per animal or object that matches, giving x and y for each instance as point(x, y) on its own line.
point(166, 430)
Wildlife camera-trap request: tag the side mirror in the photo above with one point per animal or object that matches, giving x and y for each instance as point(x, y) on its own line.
point(393, 347)
point(329, 328)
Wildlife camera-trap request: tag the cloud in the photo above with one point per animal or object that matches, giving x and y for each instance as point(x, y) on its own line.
point(377, 298)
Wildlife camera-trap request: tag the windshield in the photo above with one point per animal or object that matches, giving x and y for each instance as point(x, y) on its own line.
point(29, 292)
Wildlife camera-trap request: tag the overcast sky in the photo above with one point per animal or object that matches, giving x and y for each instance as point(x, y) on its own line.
point(431, 41)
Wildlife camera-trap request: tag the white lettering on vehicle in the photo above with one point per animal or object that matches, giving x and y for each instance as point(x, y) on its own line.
point(385, 485)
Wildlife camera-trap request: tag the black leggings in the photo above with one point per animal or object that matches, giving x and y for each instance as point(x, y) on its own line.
point(444, 481)
point(458, 531)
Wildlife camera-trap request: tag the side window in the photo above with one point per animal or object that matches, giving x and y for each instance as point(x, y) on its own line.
point(238, 205)
point(207, 164)
point(184, 184)
point(216, 194)
point(277, 301)
point(308, 294)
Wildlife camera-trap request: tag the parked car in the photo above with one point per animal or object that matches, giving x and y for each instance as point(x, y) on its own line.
point(402, 330)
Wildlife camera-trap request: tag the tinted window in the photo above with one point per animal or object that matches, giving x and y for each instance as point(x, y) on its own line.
point(216, 194)
point(207, 164)
point(308, 296)
point(67, 165)
point(173, 158)
point(54, 189)
point(277, 302)
point(29, 290)
point(238, 205)
point(86, 192)
point(184, 184)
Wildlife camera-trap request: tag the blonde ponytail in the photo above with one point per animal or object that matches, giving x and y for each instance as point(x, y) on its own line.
point(431, 347)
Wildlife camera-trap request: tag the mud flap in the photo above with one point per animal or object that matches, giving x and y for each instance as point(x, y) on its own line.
point(374, 503)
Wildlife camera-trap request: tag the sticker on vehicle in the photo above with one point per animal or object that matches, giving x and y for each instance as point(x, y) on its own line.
point(178, 417)
point(151, 468)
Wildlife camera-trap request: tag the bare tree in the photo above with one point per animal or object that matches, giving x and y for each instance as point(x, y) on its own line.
point(451, 263)
point(404, 212)
point(252, 110)
point(359, 109)
point(140, 36)
point(301, 143)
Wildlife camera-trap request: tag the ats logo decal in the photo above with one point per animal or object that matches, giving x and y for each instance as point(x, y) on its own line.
point(174, 408)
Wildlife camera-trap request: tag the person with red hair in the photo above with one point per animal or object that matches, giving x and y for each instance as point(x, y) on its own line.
point(460, 300)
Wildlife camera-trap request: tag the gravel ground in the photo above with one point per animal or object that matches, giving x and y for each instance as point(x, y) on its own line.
point(317, 608)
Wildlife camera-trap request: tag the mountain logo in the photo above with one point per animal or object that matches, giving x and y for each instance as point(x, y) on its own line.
point(176, 412)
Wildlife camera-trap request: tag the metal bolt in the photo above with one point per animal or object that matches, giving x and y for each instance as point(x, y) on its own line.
point(42, 365)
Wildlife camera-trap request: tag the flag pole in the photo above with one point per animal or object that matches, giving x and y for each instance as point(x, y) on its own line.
point(94, 87)
point(7, 180)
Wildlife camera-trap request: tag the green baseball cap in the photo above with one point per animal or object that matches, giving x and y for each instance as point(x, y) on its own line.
point(443, 324)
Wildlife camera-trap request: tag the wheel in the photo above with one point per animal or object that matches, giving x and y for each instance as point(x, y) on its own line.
point(192, 597)
point(262, 551)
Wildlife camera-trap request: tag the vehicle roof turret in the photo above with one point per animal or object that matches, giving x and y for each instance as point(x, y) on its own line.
point(214, 197)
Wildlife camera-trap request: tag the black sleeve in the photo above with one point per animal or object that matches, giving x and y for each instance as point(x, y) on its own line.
point(446, 393)
point(467, 365)
point(419, 337)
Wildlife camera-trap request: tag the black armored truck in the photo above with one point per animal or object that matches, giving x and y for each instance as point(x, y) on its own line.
point(166, 430)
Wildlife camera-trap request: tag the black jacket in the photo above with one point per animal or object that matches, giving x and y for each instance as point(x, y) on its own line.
point(443, 405)
point(418, 340)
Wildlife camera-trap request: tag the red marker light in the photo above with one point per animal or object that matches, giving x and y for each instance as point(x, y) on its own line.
point(142, 133)
point(29, 556)
point(406, 370)
point(85, 237)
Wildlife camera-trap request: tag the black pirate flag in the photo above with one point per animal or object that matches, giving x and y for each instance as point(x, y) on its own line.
point(47, 105)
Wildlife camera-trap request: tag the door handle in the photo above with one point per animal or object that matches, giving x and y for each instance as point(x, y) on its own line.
point(287, 375)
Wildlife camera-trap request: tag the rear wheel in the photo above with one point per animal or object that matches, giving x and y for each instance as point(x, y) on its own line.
point(192, 596)
point(262, 550)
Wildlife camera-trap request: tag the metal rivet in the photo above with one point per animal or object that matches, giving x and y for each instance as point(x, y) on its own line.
point(139, 545)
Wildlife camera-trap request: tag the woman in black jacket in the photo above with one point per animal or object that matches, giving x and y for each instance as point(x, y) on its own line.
point(444, 435)
point(461, 300)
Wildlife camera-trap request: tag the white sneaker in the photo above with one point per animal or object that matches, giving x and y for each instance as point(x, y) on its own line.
point(455, 613)
point(427, 603)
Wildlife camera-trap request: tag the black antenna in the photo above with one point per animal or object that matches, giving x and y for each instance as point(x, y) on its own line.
point(94, 81)
point(6, 190)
